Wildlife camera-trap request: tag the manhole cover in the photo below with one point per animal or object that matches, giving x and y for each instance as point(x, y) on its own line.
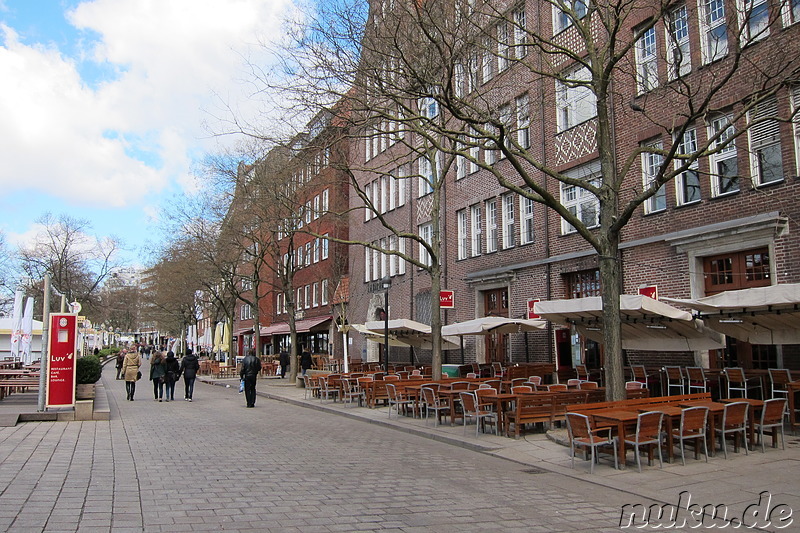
point(535, 470)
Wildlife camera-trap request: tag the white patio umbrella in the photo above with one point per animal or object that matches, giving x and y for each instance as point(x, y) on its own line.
point(410, 333)
point(27, 333)
point(488, 325)
point(16, 325)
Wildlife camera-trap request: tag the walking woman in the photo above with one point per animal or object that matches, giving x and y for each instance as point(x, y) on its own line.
point(158, 371)
point(189, 367)
point(173, 369)
point(130, 371)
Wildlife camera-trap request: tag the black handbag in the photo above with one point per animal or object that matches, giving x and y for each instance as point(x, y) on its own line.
point(138, 375)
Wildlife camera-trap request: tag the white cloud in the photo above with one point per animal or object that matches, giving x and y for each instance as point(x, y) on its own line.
point(117, 142)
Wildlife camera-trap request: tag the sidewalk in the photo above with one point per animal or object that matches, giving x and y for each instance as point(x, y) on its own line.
point(736, 482)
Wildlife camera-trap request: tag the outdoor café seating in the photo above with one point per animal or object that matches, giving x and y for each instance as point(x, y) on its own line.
point(472, 408)
point(397, 401)
point(433, 404)
point(639, 373)
point(778, 378)
point(772, 419)
point(581, 434)
point(734, 423)
point(738, 382)
point(697, 380)
point(648, 433)
point(675, 380)
point(692, 427)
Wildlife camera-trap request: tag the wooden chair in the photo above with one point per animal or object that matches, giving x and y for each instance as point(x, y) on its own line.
point(573, 382)
point(697, 380)
point(472, 408)
point(734, 422)
point(737, 381)
point(674, 379)
point(633, 385)
point(588, 385)
point(519, 389)
point(391, 377)
point(311, 387)
point(494, 383)
point(529, 409)
point(772, 419)
point(351, 391)
point(639, 373)
point(778, 378)
point(497, 370)
point(326, 390)
point(557, 387)
point(692, 427)
point(648, 433)
point(415, 374)
point(536, 380)
point(433, 404)
point(396, 400)
point(472, 375)
point(459, 385)
point(518, 381)
point(581, 372)
point(581, 434)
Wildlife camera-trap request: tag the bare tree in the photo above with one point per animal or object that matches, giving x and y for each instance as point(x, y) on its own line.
point(431, 76)
point(77, 262)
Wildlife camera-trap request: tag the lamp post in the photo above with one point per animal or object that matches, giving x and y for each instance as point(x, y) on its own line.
point(386, 282)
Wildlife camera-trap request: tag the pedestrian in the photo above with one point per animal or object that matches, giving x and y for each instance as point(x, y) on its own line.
point(158, 370)
point(306, 361)
point(120, 360)
point(189, 367)
point(173, 371)
point(283, 358)
point(130, 371)
point(251, 366)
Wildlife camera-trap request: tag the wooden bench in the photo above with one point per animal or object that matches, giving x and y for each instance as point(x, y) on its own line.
point(638, 403)
point(7, 386)
point(529, 409)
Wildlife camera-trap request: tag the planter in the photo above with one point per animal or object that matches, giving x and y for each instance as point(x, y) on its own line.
point(84, 391)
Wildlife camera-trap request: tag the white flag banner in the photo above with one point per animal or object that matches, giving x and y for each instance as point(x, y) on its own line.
point(27, 333)
point(16, 326)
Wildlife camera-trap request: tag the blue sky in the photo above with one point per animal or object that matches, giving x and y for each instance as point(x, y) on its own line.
point(107, 106)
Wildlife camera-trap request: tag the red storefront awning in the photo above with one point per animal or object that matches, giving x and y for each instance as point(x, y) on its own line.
point(303, 326)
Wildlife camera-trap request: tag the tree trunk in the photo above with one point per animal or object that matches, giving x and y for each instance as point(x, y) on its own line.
point(610, 279)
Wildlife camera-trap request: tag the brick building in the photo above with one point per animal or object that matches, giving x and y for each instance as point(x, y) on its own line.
point(702, 97)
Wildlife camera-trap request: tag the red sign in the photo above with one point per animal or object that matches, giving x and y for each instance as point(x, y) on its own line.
point(651, 291)
point(531, 309)
point(62, 349)
point(447, 299)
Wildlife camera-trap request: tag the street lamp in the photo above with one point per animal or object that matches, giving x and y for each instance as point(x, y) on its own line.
point(386, 282)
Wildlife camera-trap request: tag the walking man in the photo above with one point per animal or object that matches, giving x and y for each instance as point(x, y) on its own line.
point(251, 366)
point(283, 357)
point(188, 369)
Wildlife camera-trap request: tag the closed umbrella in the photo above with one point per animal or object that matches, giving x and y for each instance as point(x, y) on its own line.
point(27, 332)
point(16, 325)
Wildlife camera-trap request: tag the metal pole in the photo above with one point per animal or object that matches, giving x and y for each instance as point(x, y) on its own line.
point(44, 359)
point(386, 326)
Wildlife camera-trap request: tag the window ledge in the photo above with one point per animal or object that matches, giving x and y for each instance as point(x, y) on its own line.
point(770, 184)
point(688, 204)
point(726, 195)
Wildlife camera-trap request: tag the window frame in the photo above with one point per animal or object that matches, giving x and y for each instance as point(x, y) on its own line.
point(476, 229)
point(677, 38)
point(712, 31)
point(461, 222)
point(527, 230)
point(651, 164)
point(582, 197)
point(492, 230)
point(770, 130)
point(687, 145)
point(509, 221)
point(571, 109)
point(646, 55)
point(729, 153)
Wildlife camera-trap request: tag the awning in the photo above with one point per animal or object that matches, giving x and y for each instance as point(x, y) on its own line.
point(647, 324)
point(760, 315)
point(374, 337)
point(489, 325)
point(245, 331)
point(302, 326)
point(411, 333)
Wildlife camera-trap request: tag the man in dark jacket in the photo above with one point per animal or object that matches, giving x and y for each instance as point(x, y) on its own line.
point(189, 367)
point(283, 357)
point(251, 366)
point(306, 361)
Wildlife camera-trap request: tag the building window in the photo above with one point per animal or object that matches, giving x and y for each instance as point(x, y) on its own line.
point(646, 65)
point(426, 233)
point(790, 12)
point(427, 174)
point(678, 50)
point(487, 60)
point(247, 284)
point(520, 33)
point(766, 163)
point(384, 194)
point(724, 168)
point(475, 226)
point(651, 166)
point(315, 295)
point(579, 201)
point(367, 210)
point(714, 30)
point(523, 121)
point(325, 245)
point(687, 183)
point(279, 303)
point(384, 258)
point(325, 201)
point(401, 263)
point(527, 233)
point(316, 207)
point(402, 180)
point(246, 312)
point(299, 302)
point(583, 284)
point(562, 19)
point(428, 107)
point(491, 226)
point(796, 125)
point(324, 291)
point(508, 221)
point(502, 47)
point(367, 265)
point(754, 19)
point(306, 291)
point(575, 101)
point(739, 270)
point(376, 262)
point(462, 234)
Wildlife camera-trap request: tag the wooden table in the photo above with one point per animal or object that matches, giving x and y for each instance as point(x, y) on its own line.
point(618, 419)
point(501, 402)
point(755, 405)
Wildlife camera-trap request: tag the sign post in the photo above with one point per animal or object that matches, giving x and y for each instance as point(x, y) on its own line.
point(61, 352)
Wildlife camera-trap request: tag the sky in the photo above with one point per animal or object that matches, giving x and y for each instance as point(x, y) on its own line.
point(108, 106)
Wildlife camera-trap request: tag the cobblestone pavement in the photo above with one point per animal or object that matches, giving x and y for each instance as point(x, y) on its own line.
point(214, 465)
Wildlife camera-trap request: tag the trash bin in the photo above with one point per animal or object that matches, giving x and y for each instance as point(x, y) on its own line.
point(450, 370)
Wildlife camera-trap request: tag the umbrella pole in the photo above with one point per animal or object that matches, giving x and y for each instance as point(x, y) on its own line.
point(462, 349)
point(527, 349)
